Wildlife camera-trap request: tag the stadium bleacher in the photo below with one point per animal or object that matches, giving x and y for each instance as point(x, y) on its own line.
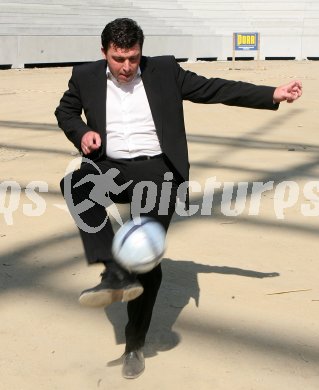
point(32, 32)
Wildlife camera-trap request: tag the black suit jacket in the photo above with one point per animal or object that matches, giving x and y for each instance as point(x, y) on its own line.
point(166, 85)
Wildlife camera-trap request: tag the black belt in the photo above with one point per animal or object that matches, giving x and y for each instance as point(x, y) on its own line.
point(141, 158)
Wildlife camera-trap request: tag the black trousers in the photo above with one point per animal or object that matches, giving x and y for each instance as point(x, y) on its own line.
point(150, 187)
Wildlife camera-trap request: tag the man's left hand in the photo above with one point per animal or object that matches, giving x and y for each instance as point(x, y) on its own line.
point(288, 92)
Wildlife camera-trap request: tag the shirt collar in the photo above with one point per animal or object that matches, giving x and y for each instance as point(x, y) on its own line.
point(110, 76)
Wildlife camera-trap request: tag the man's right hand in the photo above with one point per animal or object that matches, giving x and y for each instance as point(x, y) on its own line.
point(90, 141)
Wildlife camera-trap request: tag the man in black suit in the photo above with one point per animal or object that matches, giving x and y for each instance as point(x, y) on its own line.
point(134, 132)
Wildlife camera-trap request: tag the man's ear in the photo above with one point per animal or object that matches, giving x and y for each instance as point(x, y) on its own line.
point(103, 52)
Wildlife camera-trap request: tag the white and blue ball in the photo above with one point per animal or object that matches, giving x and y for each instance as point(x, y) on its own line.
point(139, 245)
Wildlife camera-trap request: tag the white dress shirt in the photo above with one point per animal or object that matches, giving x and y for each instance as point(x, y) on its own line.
point(130, 129)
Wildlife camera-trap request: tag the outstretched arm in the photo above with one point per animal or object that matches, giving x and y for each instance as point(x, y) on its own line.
point(199, 89)
point(288, 92)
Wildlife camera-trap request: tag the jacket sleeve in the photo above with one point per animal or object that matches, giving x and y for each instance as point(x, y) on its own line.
point(199, 89)
point(69, 111)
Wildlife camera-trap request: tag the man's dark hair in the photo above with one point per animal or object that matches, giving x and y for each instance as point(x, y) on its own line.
point(124, 33)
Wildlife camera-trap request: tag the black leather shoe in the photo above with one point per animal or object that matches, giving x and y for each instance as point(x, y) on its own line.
point(133, 364)
point(116, 285)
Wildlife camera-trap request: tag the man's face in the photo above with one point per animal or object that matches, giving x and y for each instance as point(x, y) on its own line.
point(123, 63)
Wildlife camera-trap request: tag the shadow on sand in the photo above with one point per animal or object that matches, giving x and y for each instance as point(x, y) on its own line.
point(179, 285)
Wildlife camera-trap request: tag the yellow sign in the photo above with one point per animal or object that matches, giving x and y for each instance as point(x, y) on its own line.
point(246, 41)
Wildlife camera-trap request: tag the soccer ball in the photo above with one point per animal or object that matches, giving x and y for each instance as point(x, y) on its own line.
point(138, 246)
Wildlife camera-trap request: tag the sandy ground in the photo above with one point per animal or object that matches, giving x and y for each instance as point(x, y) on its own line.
point(239, 304)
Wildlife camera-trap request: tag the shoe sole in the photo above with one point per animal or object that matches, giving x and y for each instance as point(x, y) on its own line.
point(128, 376)
point(104, 298)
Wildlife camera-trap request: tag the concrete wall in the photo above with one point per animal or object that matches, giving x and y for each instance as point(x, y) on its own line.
point(36, 32)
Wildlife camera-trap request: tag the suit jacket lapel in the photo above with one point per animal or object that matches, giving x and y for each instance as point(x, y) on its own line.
point(152, 85)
